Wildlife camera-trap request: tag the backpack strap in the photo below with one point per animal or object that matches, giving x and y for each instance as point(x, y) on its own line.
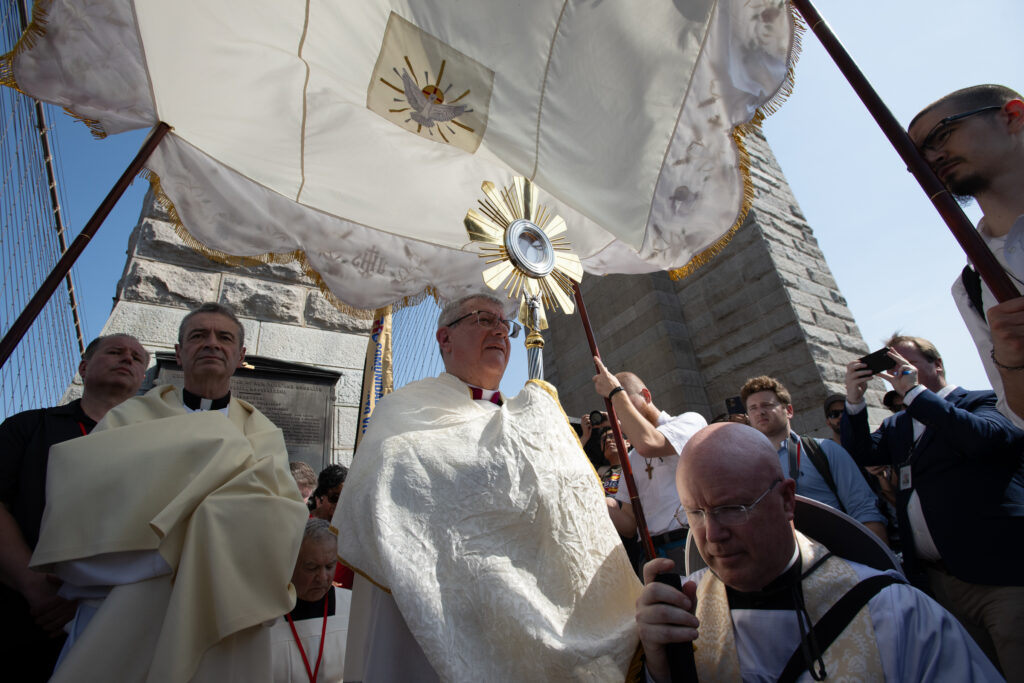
point(833, 622)
point(817, 457)
point(972, 283)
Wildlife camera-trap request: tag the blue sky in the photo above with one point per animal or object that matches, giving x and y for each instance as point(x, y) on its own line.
point(890, 253)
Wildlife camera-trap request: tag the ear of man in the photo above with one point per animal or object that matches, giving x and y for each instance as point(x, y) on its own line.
point(1014, 110)
point(443, 337)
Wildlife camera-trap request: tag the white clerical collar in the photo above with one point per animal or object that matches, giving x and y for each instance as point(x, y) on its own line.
point(196, 404)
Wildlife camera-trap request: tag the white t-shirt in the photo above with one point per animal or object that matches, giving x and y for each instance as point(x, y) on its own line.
point(656, 477)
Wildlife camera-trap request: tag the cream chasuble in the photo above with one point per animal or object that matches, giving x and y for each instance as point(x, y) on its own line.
point(853, 656)
point(490, 530)
point(213, 495)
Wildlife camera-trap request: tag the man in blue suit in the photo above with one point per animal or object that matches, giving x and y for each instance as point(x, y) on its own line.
point(954, 456)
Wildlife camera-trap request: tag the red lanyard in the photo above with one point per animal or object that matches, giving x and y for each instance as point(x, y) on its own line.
point(82, 427)
point(323, 632)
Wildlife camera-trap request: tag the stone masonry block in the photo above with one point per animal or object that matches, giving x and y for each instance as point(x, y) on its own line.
point(821, 336)
point(804, 299)
point(346, 422)
point(347, 390)
point(323, 314)
point(823, 279)
point(815, 290)
point(854, 345)
point(804, 314)
point(342, 456)
point(829, 323)
point(158, 240)
point(167, 285)
point(155, 326)
point(315, 347)
point(252, 333)
point(837, 310)
point(787, 337)
point(778, 318)
point(262, 299)
point(802, 375)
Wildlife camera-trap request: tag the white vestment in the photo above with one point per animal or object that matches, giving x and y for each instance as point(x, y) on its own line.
point(915, 639)
point(288, 664)
point(489, 529)
point(212, 496)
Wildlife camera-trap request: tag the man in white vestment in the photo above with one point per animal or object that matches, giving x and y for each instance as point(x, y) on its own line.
point(309, 642)
point(766, 584)
point(478, 529)
point(176, 523)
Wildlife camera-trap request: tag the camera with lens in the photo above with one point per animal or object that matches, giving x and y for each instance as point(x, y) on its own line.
point(596, 418)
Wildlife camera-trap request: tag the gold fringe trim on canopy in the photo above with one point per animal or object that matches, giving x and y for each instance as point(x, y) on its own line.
point(298, 256)
point(94, 126)
point(35, 30)
point(739, 135)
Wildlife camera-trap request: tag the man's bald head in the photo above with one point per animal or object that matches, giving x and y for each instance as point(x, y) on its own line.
point(730, 465)
point(728, 447)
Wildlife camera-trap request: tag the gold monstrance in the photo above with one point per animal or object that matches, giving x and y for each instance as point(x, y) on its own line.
point(531, 257)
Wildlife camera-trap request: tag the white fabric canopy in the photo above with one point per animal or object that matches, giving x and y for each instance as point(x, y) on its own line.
point(359, 133)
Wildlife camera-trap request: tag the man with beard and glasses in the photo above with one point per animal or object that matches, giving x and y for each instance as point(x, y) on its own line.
point(973, 140)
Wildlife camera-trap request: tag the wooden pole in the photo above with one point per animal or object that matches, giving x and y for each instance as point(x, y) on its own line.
point(970, 241)
point(53, 280)
point(627, 469)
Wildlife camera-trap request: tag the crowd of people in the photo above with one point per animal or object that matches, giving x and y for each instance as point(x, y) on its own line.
point(166, 537)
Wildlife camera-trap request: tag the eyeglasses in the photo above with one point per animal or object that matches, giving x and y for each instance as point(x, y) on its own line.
point(488, 320)
point(725, 515)
point(941, 131)
point(833, 414)
point(767, 407)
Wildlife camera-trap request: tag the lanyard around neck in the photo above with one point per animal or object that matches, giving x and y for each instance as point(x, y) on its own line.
point(323, 633)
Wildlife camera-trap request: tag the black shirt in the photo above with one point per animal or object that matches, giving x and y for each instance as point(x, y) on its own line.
point(25, 441)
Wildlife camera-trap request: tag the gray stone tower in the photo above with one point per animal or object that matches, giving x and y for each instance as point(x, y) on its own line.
point(766, 305)
point(287, 321)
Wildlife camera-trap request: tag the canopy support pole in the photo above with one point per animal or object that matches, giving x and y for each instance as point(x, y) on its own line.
point(32, 310)
point(627, 470)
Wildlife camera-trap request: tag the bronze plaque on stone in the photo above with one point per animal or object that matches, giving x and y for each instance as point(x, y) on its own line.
point(299, 399)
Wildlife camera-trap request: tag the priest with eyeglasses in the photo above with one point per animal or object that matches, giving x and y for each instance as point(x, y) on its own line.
point(478, 530)
point(773, 604)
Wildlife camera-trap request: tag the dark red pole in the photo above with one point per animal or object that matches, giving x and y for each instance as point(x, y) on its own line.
point(627, 469)
point(970, 241)
point(53, 280)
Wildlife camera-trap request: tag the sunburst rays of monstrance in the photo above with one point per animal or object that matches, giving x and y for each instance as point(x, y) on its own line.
point(528, 256)
point(526, 244)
